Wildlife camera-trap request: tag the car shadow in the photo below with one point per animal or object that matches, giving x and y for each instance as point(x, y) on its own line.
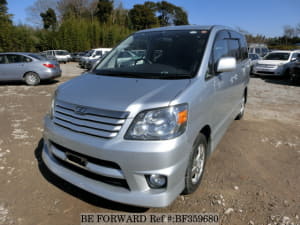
point(279, 80)
point(77, 192)
point(21, 83)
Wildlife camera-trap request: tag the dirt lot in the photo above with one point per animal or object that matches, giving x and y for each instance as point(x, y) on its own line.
point(252, 178)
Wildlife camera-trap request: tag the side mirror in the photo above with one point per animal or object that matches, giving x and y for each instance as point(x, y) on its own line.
point(226, 64)
point(294, 59)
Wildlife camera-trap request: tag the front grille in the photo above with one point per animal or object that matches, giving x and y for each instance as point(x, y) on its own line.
point(266, 65)
point(79, 168)
point(90, 121)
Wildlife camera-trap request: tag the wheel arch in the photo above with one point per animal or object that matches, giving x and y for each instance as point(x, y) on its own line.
point(246, 94)
point(206, 131)
point(30, 72)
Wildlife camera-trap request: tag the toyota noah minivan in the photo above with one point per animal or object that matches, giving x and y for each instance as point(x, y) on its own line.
point(138, 128)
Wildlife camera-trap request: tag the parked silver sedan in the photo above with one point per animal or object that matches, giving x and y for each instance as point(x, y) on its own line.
point(29, 67)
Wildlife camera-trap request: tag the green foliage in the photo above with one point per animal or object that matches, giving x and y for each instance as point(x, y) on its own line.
point(85, 24)
point(104, 10)
point(142, 17)
point(49, 19)
point(170, 14)
point(152, 14)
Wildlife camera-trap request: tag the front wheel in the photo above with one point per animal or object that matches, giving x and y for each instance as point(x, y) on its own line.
point(32, 79)
point(196, 165)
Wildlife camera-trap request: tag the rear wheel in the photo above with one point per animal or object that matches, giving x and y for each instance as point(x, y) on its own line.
point(196, 165)
point(32, 78)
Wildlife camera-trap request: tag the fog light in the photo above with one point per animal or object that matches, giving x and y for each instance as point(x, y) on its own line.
point(157, 181)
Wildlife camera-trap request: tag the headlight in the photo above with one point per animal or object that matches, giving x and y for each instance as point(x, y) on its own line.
point(52, 107)
point(159, 124)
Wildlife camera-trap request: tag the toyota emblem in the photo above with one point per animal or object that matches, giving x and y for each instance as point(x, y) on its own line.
point(80, 110)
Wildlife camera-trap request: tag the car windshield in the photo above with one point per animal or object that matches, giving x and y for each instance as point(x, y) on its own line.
point(278, 56)
point(62, 53)
point(156, 54)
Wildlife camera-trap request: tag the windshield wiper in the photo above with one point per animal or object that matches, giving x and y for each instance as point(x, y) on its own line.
point(143, 75)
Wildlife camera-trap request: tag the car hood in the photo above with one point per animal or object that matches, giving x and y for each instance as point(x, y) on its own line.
point(272, 62)
point(120, 93)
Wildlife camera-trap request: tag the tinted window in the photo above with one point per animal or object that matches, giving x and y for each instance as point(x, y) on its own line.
point(234, 49)
point(257, 50)
point(243, 47)
point(277, 56)
point(98, 53)
point(220, 49)
point(3, 59)
point(61, 52)
point(18, 59)
point(167, 54)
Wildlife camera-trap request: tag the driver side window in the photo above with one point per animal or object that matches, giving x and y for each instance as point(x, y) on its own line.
point(220, 49)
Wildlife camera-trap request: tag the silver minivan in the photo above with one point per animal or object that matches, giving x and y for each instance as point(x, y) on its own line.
point(139, 130)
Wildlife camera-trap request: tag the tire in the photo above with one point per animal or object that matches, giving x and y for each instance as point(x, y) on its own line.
point(242, 109)
point(32, 79)
point(286, 74)
point(195, 169)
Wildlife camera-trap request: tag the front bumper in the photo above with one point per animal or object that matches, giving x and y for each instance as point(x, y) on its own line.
point(134, 158)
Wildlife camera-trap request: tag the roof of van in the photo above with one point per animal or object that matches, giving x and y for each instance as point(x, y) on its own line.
point(186, 27)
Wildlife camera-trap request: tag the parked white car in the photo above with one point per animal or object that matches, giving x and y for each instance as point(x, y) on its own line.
point(254, 58)
point(276, 63)
point(93, 54)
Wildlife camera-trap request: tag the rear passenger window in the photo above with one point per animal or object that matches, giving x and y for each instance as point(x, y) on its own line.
point(18, 59)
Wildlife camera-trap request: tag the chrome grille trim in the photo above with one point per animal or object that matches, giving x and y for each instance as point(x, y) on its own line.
point(89, 121)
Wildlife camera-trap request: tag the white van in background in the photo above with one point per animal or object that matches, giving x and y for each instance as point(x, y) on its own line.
point(259, 49)
point(59, 55)
point(93, 54)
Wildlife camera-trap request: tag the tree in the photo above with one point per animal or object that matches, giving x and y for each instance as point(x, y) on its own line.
point(38, 7)
point(104, 10)
point(298, 29)
point(289, 31)
point(6, 28)
point(180, 17)
point(169, 14)
point(142, 17)
point(166, 13)
point(49, 19)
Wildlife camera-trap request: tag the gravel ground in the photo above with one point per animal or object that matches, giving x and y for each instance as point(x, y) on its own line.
point(251, 178)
